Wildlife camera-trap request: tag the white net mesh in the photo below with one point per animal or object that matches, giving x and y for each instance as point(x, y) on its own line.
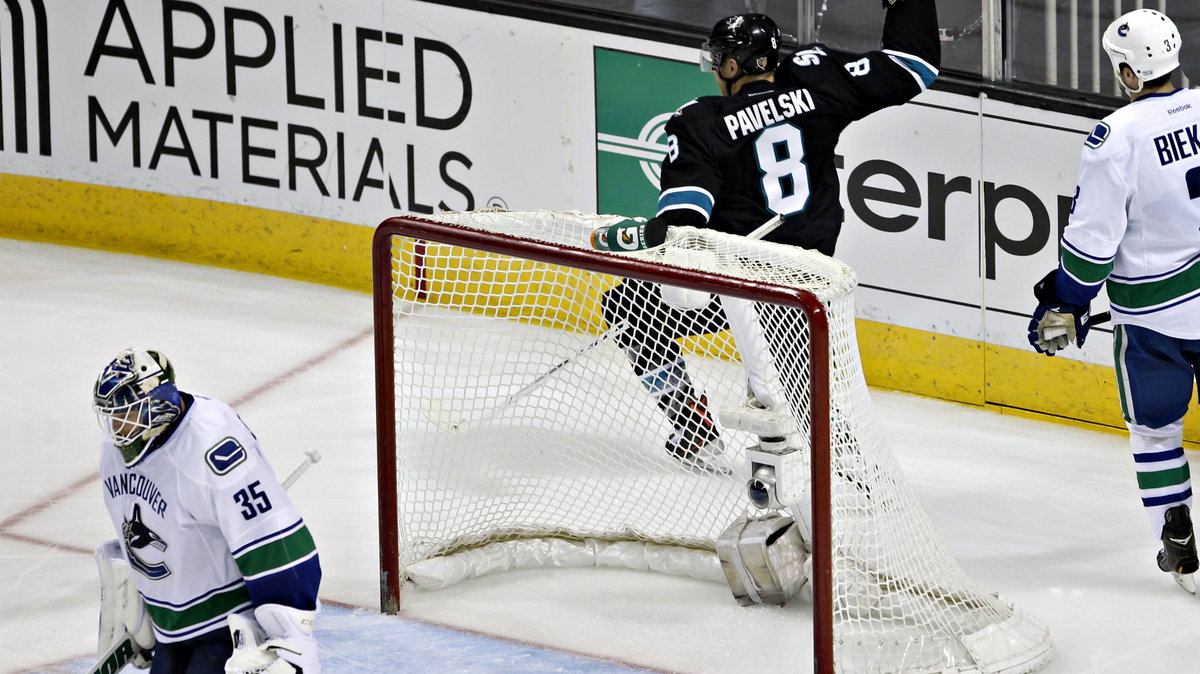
point(540, 400)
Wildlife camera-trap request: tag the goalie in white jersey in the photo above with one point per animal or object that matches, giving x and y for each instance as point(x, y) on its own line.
point(215, 547)
point(1135, 227)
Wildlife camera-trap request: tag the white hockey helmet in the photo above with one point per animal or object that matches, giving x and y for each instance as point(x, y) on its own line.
point(135, 399)
point(1145, 40)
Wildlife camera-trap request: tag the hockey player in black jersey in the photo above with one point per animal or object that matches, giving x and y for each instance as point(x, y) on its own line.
point(765, 147)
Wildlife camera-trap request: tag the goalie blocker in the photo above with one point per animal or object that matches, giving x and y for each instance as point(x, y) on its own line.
point(276, 639)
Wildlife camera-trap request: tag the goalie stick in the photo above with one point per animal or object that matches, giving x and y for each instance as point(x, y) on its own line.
point(121, 653)
point(310, 457)
point(115, 658)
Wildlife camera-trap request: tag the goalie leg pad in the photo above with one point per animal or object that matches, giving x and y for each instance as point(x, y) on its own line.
point(122, 610)
point(763, 560)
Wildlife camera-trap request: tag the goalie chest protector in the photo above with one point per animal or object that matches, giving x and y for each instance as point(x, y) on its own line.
point(763, 559)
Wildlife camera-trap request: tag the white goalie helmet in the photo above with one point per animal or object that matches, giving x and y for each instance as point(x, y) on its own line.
point(1145, 40)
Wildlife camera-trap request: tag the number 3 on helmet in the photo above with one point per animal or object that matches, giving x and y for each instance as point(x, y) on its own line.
point(1145, 40)
point(135, 399)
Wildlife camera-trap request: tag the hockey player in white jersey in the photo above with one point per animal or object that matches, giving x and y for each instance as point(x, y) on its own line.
point(225, 569)
point(1135, 227)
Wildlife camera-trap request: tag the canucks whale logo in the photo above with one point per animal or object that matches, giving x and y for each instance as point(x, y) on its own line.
point(143, 547)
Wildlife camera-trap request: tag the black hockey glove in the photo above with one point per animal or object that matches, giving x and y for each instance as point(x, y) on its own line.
point(1054, 324)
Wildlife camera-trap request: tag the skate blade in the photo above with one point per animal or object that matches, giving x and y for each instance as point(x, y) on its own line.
point(715, 468)
point(710, 465)
point(1186, 580)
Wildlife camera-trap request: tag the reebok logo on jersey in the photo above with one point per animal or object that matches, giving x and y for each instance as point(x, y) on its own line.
point(1098, 135)
point(225, 456)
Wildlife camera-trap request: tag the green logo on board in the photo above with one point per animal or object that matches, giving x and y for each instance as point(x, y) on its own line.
point(635, 96)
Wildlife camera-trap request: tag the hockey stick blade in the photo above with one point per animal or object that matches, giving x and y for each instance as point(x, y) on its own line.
point(115, 658)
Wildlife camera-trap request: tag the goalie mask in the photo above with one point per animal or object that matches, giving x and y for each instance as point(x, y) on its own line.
point(135, 400)
point(750, 39)
point(1145, 40)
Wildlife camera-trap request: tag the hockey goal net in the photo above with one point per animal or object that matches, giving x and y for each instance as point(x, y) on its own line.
point(514, 430)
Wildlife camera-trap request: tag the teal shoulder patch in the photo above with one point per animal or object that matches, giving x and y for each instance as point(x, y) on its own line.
point(1098, 135)
point(225, 456)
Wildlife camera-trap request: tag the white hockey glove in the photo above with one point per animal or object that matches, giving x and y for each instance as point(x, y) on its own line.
point(278, 641)
point(121, 607)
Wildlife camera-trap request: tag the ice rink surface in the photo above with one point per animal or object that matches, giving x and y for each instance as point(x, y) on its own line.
point(1046, 515)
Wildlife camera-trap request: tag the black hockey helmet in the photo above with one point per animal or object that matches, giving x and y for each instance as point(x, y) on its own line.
point(750, 39)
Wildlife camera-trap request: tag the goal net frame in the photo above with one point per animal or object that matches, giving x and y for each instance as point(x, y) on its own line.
point(455, 493)
point(391, 579)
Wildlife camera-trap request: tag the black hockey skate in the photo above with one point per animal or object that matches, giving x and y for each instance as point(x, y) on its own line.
point(1178, 556)
point(696, 441)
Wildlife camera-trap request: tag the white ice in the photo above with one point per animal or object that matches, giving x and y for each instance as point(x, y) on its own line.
point(1045, 514)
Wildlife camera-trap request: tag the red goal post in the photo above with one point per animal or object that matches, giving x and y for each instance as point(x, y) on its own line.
point(447, 279)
